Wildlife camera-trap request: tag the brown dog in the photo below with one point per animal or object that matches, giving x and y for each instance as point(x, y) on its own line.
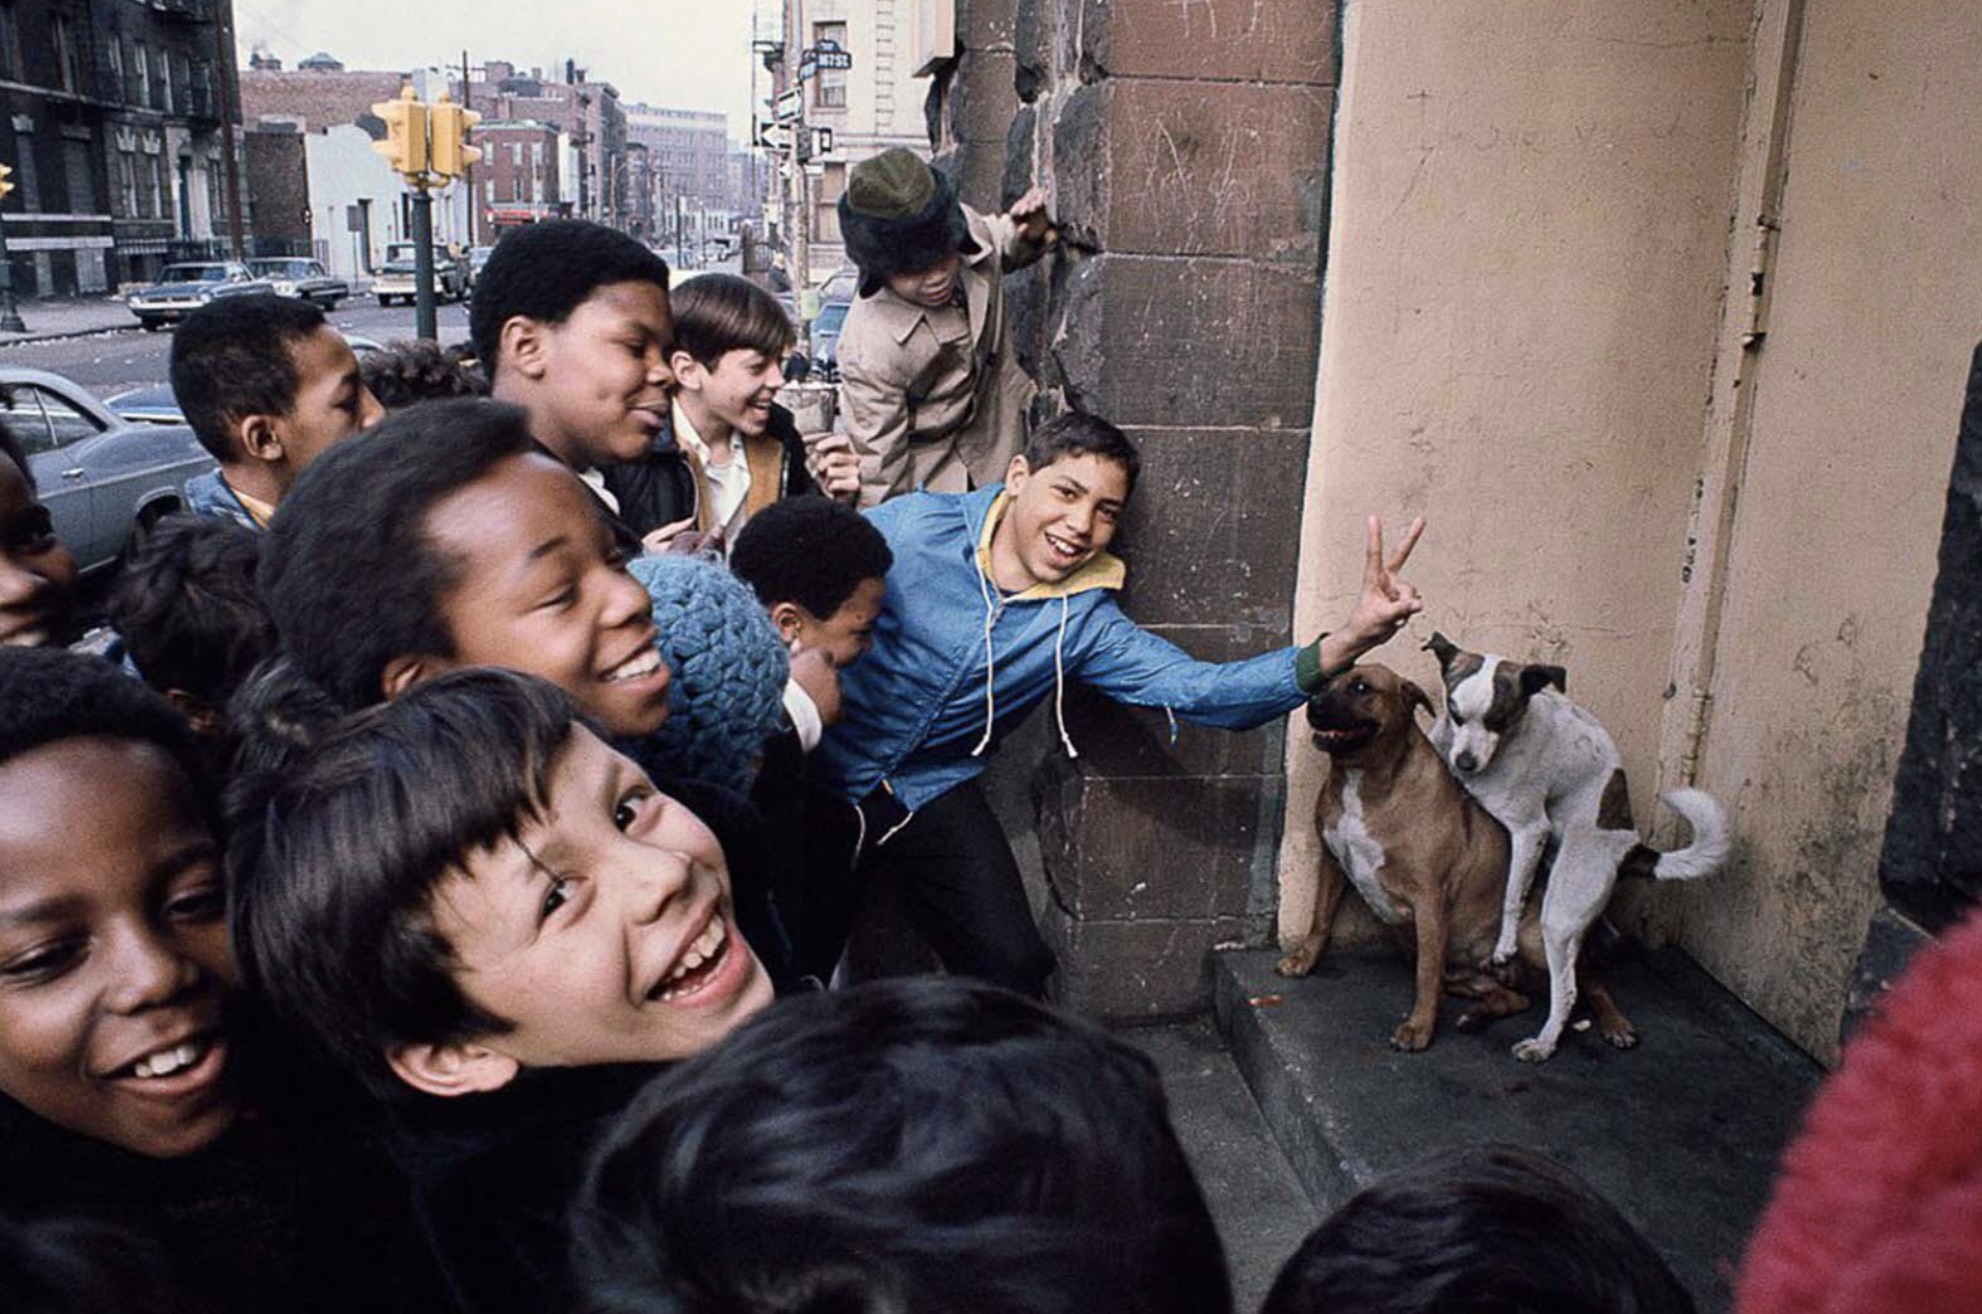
point(1421, 852)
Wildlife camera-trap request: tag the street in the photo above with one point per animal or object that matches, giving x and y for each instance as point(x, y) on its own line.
point(116, 361)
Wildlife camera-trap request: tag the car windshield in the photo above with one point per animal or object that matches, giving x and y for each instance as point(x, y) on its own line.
point(283, 268)
point(194, 274)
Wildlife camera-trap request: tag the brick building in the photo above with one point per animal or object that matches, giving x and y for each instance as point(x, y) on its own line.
point(518, 180)
point(688, 159)
point(592, 124)
point(114, 129)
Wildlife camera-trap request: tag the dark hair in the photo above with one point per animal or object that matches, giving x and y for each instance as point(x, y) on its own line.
point(719, 313)
point(907, 1145)
point(401, 374)
point(10, 447)
point(48, 695)
point(1486, 1229)
point(230, 359)
point(1077, 434)
point(188, 609)
point(545, 271)
point(81, 1266)
point(813, 551)
point(348, 572)
point(342, 828)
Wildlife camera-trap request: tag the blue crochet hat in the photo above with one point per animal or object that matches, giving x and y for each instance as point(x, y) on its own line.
point(729, 669)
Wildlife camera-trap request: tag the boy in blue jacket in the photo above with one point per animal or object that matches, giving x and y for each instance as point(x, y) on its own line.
point(997, 598)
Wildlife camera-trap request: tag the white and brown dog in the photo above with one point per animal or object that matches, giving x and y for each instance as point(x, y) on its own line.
point(1548, 770)
point(1425, 857)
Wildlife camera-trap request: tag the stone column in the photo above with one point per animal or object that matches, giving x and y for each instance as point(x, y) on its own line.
point(1186, 146)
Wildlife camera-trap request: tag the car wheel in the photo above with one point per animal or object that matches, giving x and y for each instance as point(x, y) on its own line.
point(150, 325)
point(329, 304)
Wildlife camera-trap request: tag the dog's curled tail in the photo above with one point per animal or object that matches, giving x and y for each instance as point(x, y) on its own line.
point(1704, 856)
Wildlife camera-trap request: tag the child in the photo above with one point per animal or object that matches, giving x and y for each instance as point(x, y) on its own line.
point(268, 385)
point(930, 381)
point(916, 1144)
point(737, 451)
point(820, 569)
point(1478, 1230)
point(478, 907)
point(37, 573)
point(446, 538)
point(571, 322)
point(121, 1075)
point(191, 617)
point(998, 598)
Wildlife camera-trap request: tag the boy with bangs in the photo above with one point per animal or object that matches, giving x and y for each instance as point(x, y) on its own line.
point(268, 386)
point(736, 450)
point(124, 1069)
point(476, 906)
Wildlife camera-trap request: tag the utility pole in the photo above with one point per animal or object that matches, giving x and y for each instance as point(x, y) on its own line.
point(468, 172)
point(10, 314)
point(227, 78)
point(801, 212)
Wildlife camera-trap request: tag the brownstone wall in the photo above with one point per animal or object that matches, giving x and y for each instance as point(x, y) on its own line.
point(1186, 147)
point(321, 99)
point(278, 180)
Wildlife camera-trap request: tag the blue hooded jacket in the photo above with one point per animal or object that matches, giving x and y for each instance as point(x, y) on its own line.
point(955, 663)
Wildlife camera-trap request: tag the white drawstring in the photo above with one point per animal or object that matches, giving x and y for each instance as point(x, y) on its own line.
point(990, 661)
point(1060, 678)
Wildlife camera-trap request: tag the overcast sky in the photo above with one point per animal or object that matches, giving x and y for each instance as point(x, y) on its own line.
point(685, 54)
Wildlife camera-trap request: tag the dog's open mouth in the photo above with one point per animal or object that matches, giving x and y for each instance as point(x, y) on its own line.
point(1334, 741)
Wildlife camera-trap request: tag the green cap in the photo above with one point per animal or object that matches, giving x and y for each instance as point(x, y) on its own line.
point(895, 184)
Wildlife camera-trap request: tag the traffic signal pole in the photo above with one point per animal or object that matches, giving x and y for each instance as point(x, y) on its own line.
point(426, 323)
point(10, 314)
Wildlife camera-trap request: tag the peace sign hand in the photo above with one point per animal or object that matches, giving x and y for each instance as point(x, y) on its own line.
point(1387, 602)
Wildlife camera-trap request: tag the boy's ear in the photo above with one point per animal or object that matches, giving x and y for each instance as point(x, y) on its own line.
point(790, 618)
point(402, 673)
point(1017, 473)
point(688, 371)
point(450, 1070)
point(523, 346)
point(259, 439)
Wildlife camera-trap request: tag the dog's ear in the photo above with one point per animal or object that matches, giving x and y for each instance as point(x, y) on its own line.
point(1413, 694)
point(1536, 678)
point(1442, 648)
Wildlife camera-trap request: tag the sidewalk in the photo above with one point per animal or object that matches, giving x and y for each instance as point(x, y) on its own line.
point(69, 317)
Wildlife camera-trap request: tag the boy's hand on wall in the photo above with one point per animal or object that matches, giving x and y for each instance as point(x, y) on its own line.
point(1385, 605)
point(834, 465)
point(1029, 213)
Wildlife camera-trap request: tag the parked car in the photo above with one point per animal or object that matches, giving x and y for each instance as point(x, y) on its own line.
point(307, 279)
point(397, 279)
point(477, 257)
point(841, 285)
point(100, 477)
point(158, 405)
point(825, 343)
point(182, 289)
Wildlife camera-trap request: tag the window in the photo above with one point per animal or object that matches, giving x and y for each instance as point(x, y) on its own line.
point(829, 84)
point(127, 185)
point(116, 66)
point(165, 81)
point(42, 421)
point(68, 68)
point(141, 66)
point(10, 42)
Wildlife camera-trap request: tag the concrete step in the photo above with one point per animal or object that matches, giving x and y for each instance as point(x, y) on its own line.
point(1262, 1211)
point(1681, 1134)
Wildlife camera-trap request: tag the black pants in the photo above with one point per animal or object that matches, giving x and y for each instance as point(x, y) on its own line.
point(960, 886)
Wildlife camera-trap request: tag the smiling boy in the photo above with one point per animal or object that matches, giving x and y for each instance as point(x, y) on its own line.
point(996, 600)
point(476, 906)
point(268, 386)
point(571, 321)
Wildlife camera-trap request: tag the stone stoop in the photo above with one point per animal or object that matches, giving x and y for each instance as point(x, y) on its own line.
point(1681, 1133)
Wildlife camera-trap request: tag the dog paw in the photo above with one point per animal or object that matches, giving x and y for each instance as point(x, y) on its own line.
point(1503, 953)
point(1297, 963)
point(1621, 1036)
point(1412, 1036)
point(1533, 1051)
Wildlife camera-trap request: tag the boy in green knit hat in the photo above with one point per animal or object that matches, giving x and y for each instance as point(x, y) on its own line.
point(930, 384)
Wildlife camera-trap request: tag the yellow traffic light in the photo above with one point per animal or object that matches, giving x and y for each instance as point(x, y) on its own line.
point(405, 144)
point(6, 185)
point(450, 124)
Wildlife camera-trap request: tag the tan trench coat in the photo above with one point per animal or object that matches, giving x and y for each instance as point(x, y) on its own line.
point(936, 399)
